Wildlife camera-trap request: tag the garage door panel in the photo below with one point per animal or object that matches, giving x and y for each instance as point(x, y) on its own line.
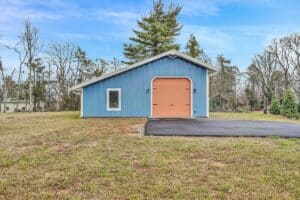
point(171, 97)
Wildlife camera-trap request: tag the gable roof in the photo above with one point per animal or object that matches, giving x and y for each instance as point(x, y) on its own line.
point(172, 53)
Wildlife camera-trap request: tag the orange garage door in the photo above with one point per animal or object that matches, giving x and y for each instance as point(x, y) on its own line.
point(171, 97)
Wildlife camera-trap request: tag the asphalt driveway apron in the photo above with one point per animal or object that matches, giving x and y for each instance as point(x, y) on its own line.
point(211, 127)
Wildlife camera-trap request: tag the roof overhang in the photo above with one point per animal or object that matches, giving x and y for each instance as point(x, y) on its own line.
point(171, 53)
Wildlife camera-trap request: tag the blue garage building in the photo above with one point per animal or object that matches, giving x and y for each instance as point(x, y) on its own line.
point(170, 84)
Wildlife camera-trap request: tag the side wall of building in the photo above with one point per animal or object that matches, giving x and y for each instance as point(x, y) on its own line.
point(136, 89)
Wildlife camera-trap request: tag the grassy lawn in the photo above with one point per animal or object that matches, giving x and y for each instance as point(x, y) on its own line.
point(258, 116)
point(59, 156)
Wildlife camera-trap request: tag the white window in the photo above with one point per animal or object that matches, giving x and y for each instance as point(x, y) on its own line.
point(113, 99)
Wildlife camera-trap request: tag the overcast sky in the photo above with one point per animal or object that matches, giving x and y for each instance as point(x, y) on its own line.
point(237, 28)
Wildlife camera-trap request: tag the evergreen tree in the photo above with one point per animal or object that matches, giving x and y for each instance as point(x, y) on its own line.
point(289, 107)
point(156, 33)
point(38, 86)
point(252, 100)
point(193, 49)
point(275, 106)
point(224, 82)
point(84, 66)
point(101, 67)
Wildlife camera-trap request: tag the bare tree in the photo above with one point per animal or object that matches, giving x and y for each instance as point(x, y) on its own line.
point(282, 54)
point(294, 47)
point(29, 39)
point(22, 55)
point(61, 56)
point(265, 73)
point(7, 82)
point(116, 64)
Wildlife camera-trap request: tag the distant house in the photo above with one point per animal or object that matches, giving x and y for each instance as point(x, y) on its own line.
point(170, 85)
point(218, 103)
point(11, 105)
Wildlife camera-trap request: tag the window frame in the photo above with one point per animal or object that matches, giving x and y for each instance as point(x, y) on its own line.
point(119, 99)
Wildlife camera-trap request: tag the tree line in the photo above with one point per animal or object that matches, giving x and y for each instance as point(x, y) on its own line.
point(274, 77)
point(44, 75)
point(50, 72)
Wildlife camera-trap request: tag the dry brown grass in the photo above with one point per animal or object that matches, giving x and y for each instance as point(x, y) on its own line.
point(59, 156)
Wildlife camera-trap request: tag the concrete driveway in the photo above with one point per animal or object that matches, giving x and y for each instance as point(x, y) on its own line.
point(211, 127)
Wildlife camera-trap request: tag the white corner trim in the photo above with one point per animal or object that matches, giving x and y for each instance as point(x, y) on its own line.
point(119, 99)
point(81, 103)
point(151, 92)
point(207, 94)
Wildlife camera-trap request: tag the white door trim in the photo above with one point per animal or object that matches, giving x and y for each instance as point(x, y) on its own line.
point(170, 77)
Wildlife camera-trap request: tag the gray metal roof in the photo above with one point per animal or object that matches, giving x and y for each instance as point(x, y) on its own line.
point(173, 53)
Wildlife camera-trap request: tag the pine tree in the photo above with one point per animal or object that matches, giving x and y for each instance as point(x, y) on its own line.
point(39, 86)
point(275, 106)
point(252, 100)
point(156, 33)
point(193, 49)
point(84, 66)
point(289, 107)
point(225, 81)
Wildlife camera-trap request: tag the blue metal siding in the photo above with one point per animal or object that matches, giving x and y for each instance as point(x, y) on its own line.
point(136, 89)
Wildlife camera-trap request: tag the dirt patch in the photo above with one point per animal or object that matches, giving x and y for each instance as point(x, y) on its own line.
point(218, 164)
point(138, 128)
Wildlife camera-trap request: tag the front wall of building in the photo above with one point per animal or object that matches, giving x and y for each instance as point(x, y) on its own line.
point(136, 89)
